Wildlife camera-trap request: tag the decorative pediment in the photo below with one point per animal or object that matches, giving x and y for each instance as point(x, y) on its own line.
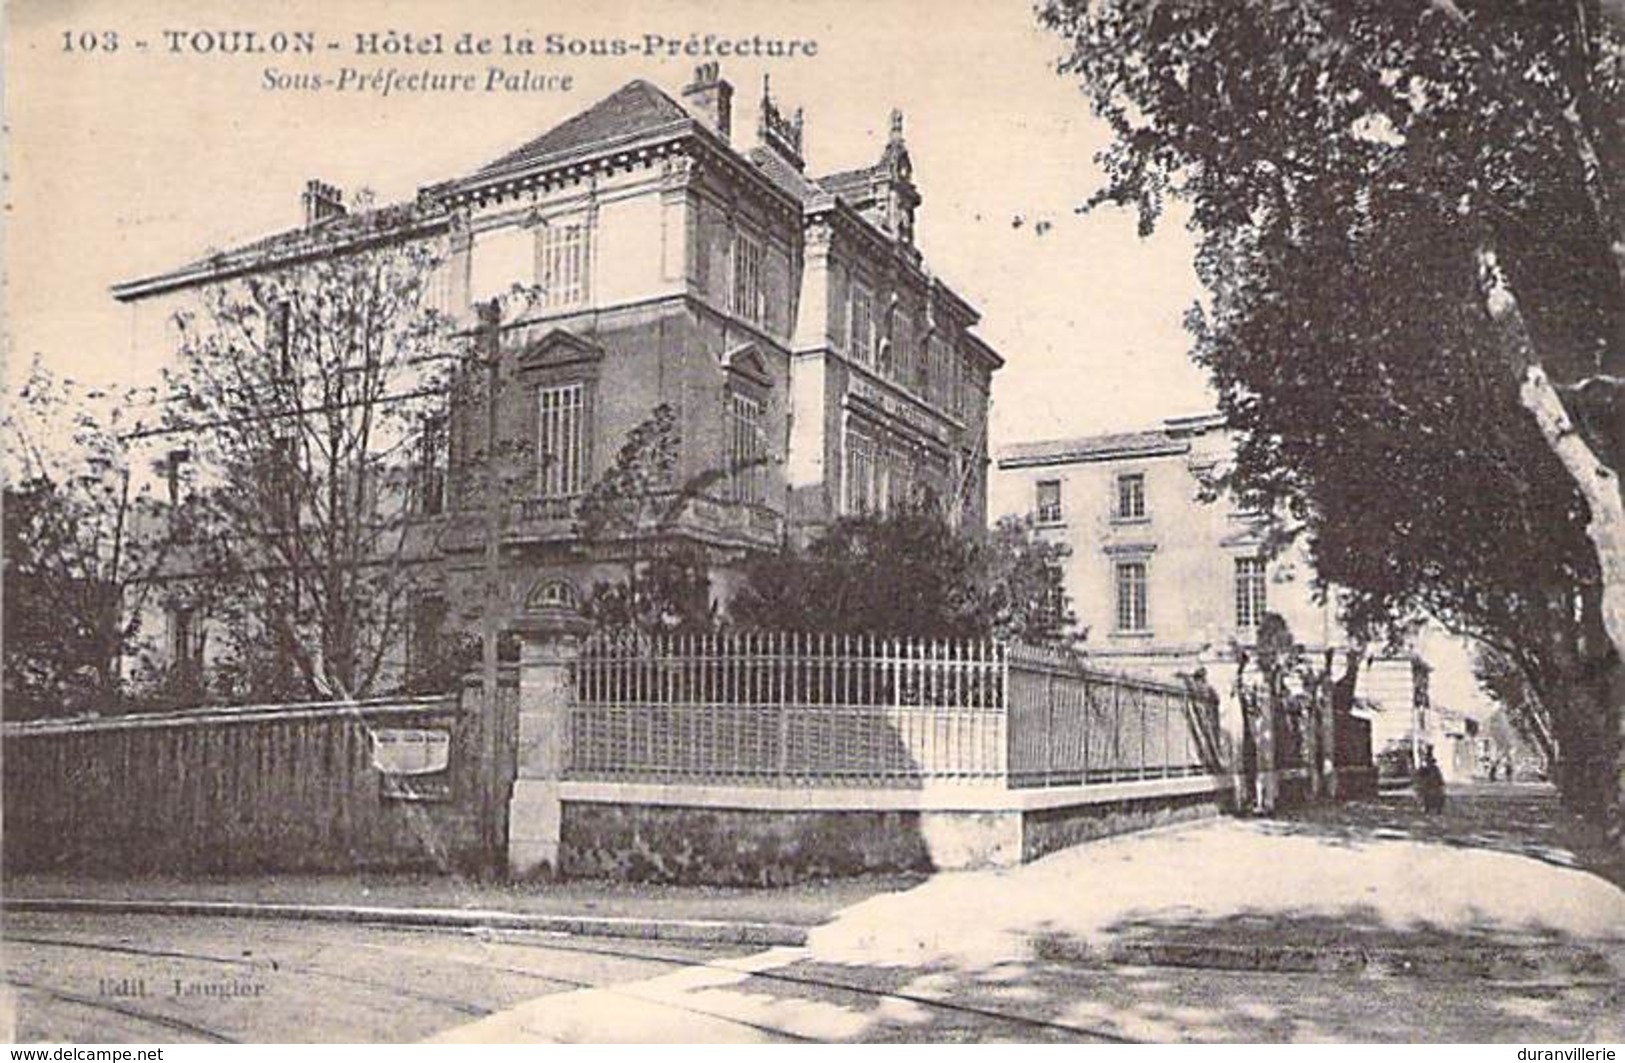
point(552, 593)
point(1250, 532)
point(1243, 539)
point(557, 348)
point(747, 361)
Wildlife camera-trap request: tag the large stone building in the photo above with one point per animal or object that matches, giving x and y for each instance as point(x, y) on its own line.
point(787, 319)
point(1166, 575)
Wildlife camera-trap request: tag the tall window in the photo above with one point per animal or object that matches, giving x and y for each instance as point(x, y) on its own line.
point(1049, 501)
point(749, 299)
point(185, 640)
point(937, 383)
point(863, 480)
point(561, 264)
point(863, 324)
point(431, 467)
point(1054, 601)
point(746, 448)
point(964, 381)
point(899, 480)
point(562, 441)
point(425, 631)
point(174, 469)
point(1250, 591)
point(1131, 596)
point(1131, 496)
point(913, 368)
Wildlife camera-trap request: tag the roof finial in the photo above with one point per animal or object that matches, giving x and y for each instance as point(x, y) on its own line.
point(897, 123)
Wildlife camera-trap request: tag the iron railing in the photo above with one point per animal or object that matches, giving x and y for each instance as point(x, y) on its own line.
point(781, 709)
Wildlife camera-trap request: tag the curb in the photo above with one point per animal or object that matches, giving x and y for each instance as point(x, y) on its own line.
point(1497, 962)
point(691, 931)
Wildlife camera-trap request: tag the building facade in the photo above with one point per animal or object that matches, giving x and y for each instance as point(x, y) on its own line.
point(1166, 575)
point(813, 364)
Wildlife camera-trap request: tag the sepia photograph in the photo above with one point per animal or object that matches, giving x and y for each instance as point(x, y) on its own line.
point(821, 521)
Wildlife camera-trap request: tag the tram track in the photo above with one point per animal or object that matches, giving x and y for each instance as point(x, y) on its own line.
point(533, 941)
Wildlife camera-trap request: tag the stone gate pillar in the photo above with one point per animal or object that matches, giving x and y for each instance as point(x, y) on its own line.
point(1224, 677)
point(549, 640)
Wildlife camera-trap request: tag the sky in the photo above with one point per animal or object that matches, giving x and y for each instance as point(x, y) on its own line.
point(129, 162)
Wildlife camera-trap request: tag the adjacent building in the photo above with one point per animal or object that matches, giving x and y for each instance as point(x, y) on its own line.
point(788, 319)
point(1164, 572)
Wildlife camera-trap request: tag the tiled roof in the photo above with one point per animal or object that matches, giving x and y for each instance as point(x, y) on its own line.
point(1092, 448)
point(849, 181)
point(377, 224)
point(782, 173)
point(635, 107)
point(1172, 438)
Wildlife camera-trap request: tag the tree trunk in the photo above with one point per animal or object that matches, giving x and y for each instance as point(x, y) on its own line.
point(1600, 486)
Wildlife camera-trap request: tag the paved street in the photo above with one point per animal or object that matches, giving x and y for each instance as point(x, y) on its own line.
point(162, 978)
point(1361, 923)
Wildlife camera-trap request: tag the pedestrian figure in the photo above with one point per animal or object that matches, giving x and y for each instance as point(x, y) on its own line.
point(1430, 785)
point(1509, 769)
point(1495, 766)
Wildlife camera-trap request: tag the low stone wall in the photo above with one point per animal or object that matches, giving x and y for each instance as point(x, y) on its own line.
point(736, 836)
point(735, 847)
point(1048, 830)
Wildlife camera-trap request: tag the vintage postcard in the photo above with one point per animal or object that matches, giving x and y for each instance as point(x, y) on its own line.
point(834, 521)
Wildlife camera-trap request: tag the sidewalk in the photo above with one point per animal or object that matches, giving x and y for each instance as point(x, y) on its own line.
point(1523, 818)
point(1360, 922)
point(1344, 924)
point(777, 916)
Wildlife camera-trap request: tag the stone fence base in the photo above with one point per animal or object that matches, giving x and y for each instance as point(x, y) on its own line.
point(737, 836)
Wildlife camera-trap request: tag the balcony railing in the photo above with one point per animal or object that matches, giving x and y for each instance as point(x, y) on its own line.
point(557, 518)
point(547, 509)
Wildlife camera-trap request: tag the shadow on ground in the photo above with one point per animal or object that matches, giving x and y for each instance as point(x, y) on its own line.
point(1043, 1000)
point(1367, 922)
point(1522, 819)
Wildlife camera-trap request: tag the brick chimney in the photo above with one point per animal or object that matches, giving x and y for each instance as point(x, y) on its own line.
point(711, 98)
point(322, 201)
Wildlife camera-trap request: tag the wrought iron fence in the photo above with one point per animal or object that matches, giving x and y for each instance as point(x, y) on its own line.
point(783, 709)
point(1071, 724)
point(787, 709)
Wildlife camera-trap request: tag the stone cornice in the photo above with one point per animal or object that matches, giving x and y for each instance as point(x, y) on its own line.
point(1063, 457)
point(620, 154)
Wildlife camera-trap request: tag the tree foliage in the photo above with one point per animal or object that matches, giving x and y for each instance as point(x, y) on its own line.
point(1402, 207)
point(305, 394)
point(82, 538)
point(910, 573)
point(634, 508)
